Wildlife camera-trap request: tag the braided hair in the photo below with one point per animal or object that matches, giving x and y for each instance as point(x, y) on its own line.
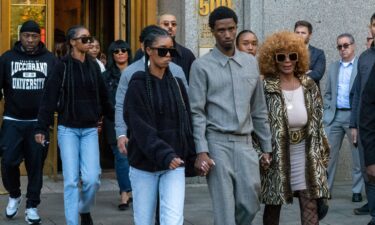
point(174, 91)
point(69, 106)
point(153, 34)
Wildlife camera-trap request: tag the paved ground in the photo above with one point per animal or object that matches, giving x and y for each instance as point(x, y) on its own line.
point(198, 209)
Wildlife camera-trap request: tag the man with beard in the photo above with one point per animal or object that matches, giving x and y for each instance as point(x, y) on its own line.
point(228, 104)
point(24, 71)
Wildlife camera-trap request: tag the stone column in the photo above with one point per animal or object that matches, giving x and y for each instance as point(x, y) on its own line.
point(191, 28)
point(253, 17)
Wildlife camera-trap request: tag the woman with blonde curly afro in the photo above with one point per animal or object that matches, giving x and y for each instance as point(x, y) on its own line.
point(300, 147)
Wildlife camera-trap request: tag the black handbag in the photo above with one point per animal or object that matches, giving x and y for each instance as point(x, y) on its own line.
point(61, 100)
point(322, 207)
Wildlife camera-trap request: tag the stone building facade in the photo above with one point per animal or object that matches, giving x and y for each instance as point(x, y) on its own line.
point(328, 17)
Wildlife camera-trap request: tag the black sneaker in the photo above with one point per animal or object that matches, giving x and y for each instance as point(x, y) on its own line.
point(86, 219)
point(364, 210)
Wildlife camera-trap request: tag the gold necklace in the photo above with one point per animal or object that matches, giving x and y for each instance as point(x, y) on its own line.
point(289, 99)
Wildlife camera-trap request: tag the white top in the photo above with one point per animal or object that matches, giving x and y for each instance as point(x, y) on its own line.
point(101, 65)
point(296, 109)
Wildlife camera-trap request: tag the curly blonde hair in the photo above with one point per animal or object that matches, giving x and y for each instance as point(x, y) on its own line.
point(284, 41)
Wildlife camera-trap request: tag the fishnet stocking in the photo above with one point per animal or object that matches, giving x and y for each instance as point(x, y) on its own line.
point(309, 209)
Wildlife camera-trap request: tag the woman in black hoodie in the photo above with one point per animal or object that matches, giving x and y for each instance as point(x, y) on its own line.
point(78, 92)
point(119, 57)
point(157, 112)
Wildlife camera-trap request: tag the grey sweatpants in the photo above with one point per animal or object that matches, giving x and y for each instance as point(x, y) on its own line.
point(234, 182)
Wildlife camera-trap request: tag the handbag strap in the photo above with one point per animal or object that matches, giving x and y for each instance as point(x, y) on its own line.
point(63, 81)
point(179, 90)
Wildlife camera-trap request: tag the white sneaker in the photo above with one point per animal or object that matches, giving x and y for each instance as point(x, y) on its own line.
point(31, 216)
point(12, 207)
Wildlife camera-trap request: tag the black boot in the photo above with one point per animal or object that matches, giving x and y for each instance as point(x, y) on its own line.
point(86, 219)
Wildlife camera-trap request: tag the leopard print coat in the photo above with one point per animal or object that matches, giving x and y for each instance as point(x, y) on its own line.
point(276, 189)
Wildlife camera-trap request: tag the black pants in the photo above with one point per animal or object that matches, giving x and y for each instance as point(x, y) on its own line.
point(17, 144)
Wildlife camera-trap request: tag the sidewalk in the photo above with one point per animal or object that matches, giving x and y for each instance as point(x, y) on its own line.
point(198, 210)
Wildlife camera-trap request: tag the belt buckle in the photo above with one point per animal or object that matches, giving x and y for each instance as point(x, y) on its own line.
point(296, 137)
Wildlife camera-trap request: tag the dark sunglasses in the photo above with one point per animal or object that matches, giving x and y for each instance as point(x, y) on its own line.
point(281, 57)
point(162, 52)
point(343, 46)
point(122, 50)
point(85, 40)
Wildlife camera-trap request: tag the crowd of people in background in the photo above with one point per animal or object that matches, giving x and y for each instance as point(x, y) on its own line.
point(248, 116)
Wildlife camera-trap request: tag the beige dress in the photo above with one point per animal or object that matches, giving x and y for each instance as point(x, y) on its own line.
point(297, 119)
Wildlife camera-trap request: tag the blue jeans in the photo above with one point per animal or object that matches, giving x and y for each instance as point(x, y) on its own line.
point(170, 184)
point(122, 170)
point(79, 149)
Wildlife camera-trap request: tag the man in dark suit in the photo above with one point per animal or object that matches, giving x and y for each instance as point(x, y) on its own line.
point(317, 57)
point(369, 40)
point(367, 132)
point(362, 117)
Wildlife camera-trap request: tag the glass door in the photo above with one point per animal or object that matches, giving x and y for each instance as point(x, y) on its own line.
point(23, 10)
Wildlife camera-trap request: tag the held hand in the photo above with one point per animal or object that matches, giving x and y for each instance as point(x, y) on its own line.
point(39, 138)
point(175, 163)
point(100, 125)
point(203, 163)
point(121, 144)
point(371, 173)
point(265, 160)
point(354, 132)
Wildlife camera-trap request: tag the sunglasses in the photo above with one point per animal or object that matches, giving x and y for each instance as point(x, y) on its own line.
point(343, 46)
point(162, 52)
point(122, 50)
point(85, 40)
point(281, 57)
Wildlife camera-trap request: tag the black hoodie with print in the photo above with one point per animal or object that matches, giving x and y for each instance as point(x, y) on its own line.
point(22, 79)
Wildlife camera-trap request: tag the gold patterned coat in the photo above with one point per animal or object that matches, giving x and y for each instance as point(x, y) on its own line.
point(276, 189)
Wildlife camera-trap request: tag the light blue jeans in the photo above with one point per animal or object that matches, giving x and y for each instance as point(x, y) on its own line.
point(79, 150)
point(170, 184)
